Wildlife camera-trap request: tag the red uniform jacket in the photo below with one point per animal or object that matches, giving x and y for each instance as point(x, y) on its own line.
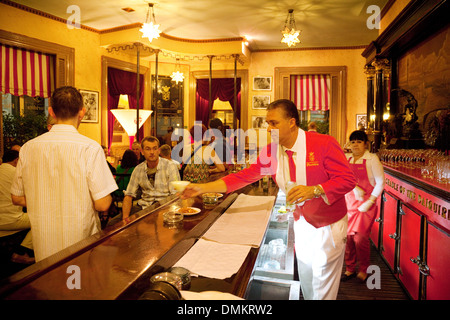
point(326, 165)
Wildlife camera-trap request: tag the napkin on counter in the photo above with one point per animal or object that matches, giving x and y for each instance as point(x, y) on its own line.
point(214, 260)
point(244, 222)
point(223, 248)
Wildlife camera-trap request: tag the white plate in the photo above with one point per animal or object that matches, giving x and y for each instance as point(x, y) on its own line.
point(196, 210)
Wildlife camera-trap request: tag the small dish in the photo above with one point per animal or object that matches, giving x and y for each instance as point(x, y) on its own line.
point(169, 277)
point(173, 217)
point(211, 194)
point(188, 211)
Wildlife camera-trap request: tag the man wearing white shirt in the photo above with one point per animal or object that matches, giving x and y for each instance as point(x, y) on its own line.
point(63, 179)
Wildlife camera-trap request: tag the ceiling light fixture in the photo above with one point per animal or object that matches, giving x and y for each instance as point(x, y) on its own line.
point(150, 29)
point(177, 76)
point(290, 32)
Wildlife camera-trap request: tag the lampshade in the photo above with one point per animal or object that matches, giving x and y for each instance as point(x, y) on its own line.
point(127, 118)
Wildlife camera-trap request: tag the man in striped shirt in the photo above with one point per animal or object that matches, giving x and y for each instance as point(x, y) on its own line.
point(63, 179)
point(152, 177)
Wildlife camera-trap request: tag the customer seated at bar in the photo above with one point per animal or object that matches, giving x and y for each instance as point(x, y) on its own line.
point(123, 173)
point(203, 160)
point(13, 218)
point(136, 147)
point(152, 177)
point(166, 153)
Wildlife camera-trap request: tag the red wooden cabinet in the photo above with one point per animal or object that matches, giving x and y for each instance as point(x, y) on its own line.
point(410, 255)
point(389, 234)
point(376, 228)
point(435, 270)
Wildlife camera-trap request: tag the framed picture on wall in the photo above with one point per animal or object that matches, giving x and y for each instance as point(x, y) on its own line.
point(259, 122)
point(90, 100)
point(260, 101)
point(361, 121)
point(262, 83)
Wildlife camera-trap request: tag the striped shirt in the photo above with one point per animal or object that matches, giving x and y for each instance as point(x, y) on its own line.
point(61, 173)
point(153, 188)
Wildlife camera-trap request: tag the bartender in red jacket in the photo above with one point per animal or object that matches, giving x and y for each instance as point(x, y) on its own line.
point(317, 165)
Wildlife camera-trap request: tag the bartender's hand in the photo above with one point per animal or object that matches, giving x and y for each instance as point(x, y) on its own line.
point(299, 194)
point(192, 190)
point(359, 193)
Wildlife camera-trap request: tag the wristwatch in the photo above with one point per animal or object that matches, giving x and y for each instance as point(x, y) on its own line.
point(317, 191)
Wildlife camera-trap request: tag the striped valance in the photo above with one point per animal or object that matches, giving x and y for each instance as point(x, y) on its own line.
point(311, 91)
point(25, 72)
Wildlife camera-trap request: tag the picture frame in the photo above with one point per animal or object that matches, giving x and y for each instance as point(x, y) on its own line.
point(260, 101)
point(262, 83)
point(90, 101)
point(361, 121)
point(259, 122)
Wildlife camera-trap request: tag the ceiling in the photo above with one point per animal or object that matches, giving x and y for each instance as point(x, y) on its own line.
point(323, 23)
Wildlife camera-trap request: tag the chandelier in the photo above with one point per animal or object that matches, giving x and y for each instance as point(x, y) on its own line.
point(177, 76)
point(150, 29)
point(290, 32)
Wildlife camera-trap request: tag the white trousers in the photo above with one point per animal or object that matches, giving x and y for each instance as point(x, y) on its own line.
point(320, 257)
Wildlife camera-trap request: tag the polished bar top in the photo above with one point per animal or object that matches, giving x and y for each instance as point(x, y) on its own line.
point(118, 262)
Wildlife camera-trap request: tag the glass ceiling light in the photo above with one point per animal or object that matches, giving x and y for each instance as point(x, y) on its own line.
point(290, 32)
point(177, 76)
point(150, 29)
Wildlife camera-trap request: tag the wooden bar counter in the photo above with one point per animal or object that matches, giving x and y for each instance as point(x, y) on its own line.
point(118, 262)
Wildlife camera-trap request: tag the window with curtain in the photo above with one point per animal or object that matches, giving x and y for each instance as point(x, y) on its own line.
point(312, 95)
point(27, 80)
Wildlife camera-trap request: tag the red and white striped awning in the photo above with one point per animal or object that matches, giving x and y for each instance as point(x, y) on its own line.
point(311, 91)
point(25, 72)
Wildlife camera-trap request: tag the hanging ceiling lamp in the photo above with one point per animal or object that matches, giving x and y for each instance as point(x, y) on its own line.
point(177, 76)
point(127, 118)
point(150, 29)
point(290, 32)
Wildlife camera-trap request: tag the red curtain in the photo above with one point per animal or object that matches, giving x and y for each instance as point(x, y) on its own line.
point(311, 91)
point(123, 82)
point(222, 88)
point(25, 72)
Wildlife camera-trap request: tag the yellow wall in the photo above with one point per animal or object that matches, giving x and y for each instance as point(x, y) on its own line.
point(89, 50)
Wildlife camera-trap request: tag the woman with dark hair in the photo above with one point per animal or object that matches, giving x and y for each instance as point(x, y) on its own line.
point(361, 207)
point(124, 170)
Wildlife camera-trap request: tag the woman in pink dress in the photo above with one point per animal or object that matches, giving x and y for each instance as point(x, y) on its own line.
point(361, 205)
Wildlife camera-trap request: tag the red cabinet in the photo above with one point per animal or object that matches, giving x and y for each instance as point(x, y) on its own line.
point(410, 250)
point(435, 271)
point(389, 235)
point(376, 228)
point(415, 234)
